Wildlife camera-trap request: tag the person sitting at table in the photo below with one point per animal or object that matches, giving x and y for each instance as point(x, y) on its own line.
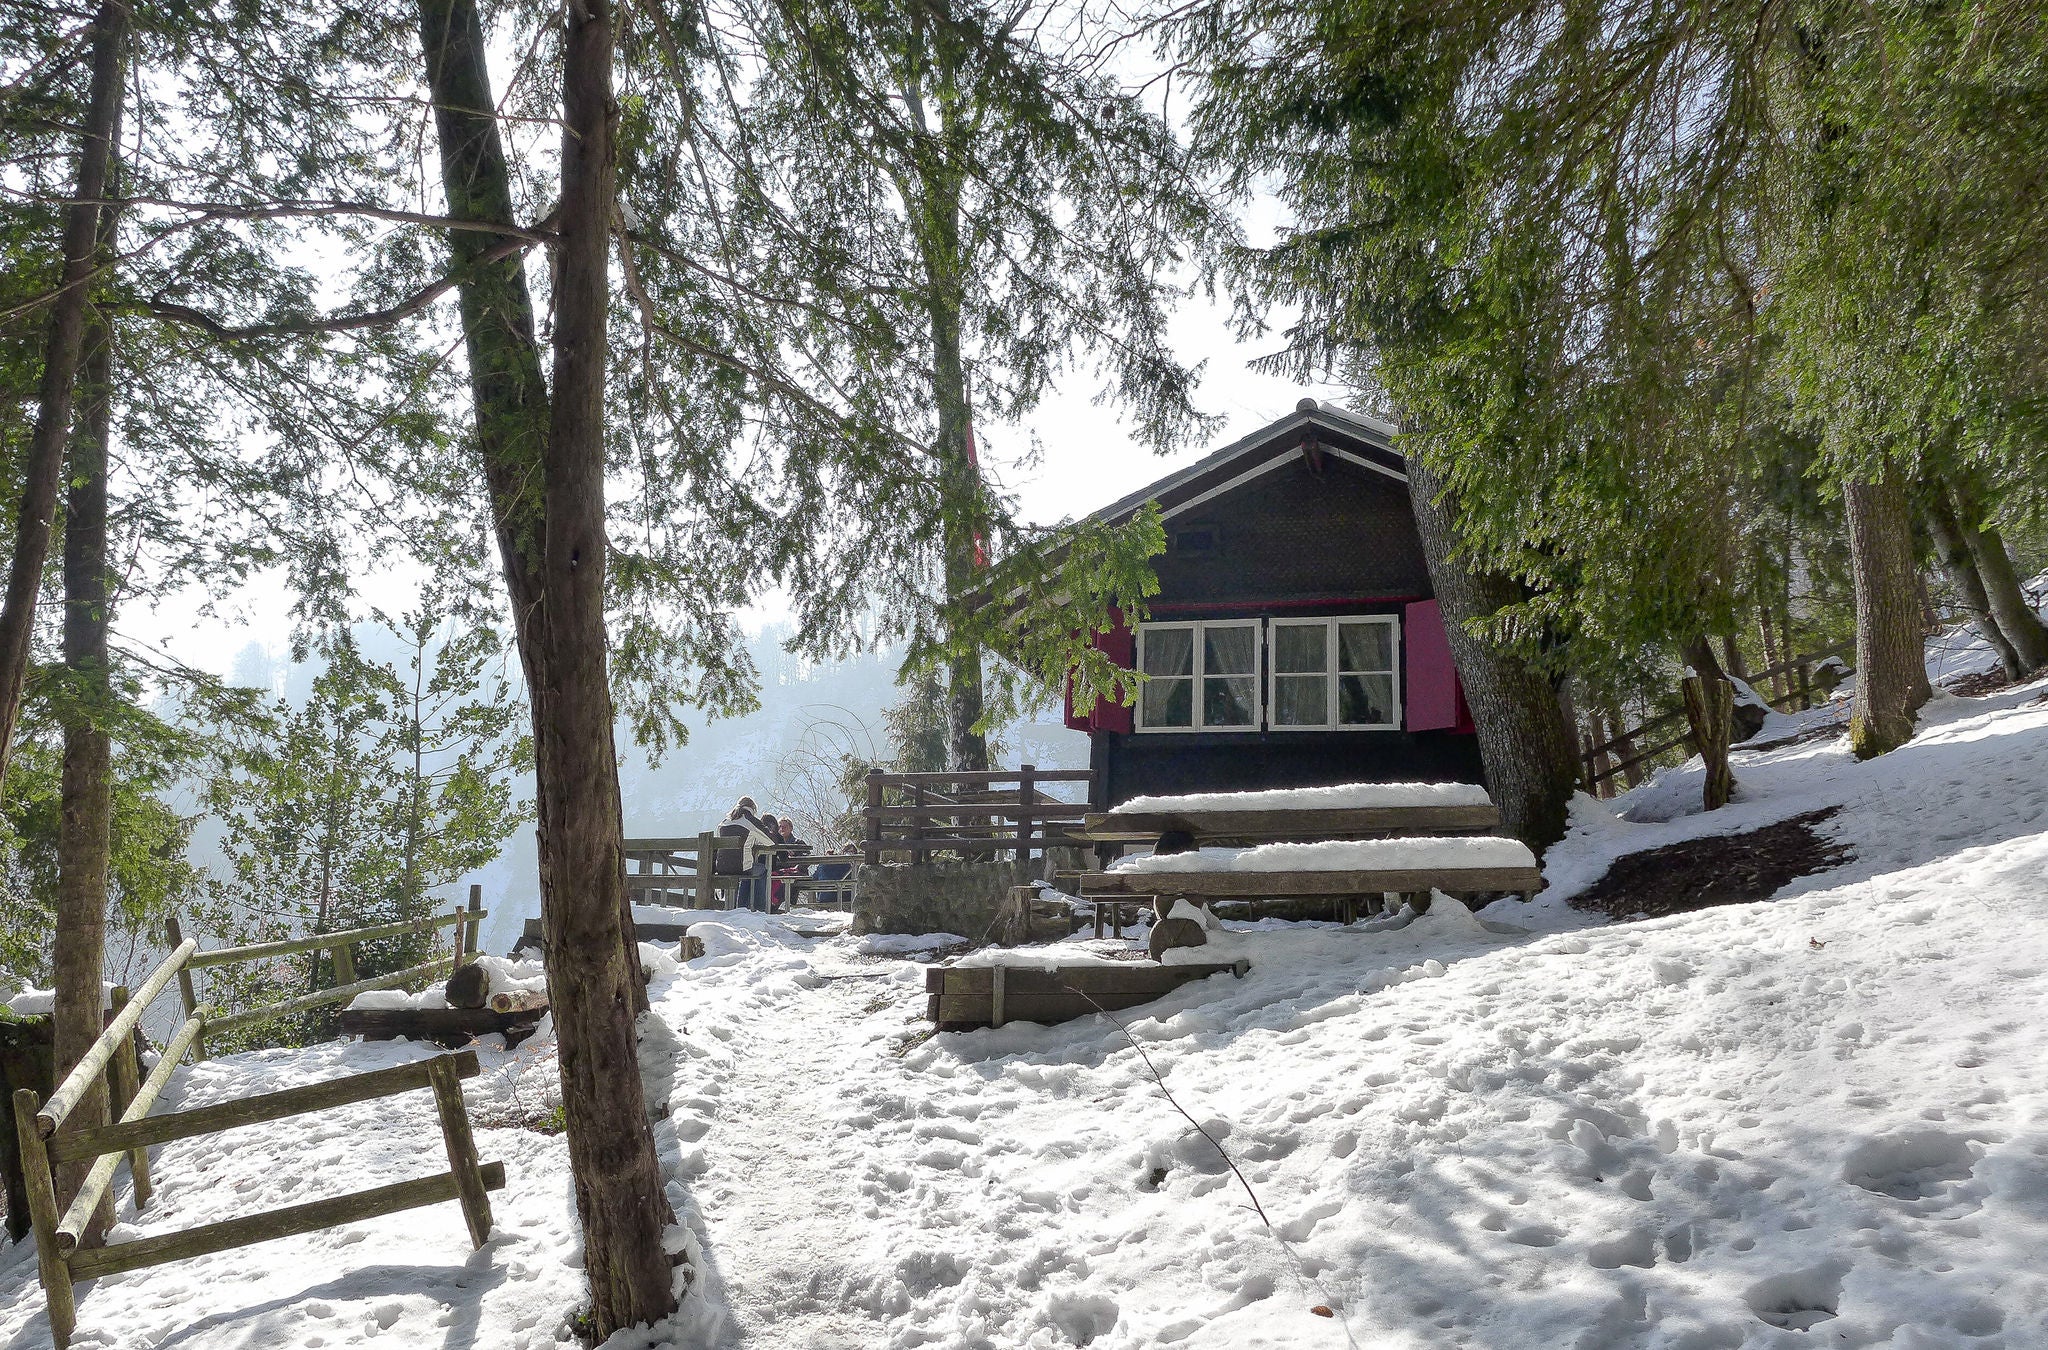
point(748, 855)
point(791, 847)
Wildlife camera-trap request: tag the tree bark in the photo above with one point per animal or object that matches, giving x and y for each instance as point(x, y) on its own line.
point(2016, 618)
point(1709, 707)
point(42, 464)
point(1526, 744)
point(85, 816)
point(544, 461)
point(1891, 669)
point(1961, 566)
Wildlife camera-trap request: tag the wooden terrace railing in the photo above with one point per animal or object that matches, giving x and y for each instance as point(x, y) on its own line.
point(972, 814)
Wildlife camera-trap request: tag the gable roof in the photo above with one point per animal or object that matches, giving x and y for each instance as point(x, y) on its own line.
point(1312, 428)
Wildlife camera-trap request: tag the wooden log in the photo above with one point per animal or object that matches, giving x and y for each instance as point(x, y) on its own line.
point(93, 1062)
point(1134, 977)
point(340, 992)
point(520, 1000)
point(175, 937)
point(1243, 885)
point(277, 1223)
point(344, 954)
point(51, 1267)
point(77, 1219)
point(223, 956)
point(996, 982)
point(461, 1145)
point(127, 1083)
point(468, 987)
point(450, 1028)
point(981, 777)
point(293, 1101)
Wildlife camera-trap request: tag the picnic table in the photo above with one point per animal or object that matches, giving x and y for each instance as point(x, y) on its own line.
point(1364, 840)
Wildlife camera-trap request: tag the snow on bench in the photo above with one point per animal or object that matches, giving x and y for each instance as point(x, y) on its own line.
point(1298, 813)
point(1330, 867)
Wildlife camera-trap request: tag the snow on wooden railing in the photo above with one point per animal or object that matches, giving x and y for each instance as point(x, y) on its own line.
point(63, 1256)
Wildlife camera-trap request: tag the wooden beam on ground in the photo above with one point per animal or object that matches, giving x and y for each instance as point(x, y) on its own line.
point(429, 971)
point(277, 1223)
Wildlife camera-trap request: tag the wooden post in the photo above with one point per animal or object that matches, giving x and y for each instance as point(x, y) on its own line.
point(1805, 685)
point(42, 1213)
point(466, 927)
point(462, 1162)
point(871, 842)
point(175, 936)
point(344, 954)
point(1027, 797)
point(917, 853)
point(1098, 916)
point(995, 978)
point(707, 859)
point(125, 1074)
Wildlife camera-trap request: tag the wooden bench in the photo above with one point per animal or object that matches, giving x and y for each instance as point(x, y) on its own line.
point(1258, 826)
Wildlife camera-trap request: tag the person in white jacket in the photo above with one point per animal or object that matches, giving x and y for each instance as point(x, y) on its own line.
point(753, 842)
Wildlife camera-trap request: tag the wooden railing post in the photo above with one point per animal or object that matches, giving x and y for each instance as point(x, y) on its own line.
point(125, 1075)
point(175, 936)
point(344, 954)
point(917, 823)
point(1026, 798)
point(461, 1144)
point(707, 859)
point(871, 843)
point(466, 931)
point(42, 1213)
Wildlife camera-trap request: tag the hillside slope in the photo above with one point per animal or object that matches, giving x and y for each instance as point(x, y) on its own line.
point(1818, 1120)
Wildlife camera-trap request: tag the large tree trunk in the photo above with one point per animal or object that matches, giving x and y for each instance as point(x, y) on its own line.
point(42, 464)
point(1961, 566)
point(85, 826)
point(960, 491)
point(1891, 668)
point(544, 465)
point(1531, 761)
point(2016, 618)
point(1709, 707)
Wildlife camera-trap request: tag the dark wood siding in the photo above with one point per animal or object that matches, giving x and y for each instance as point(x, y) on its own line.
point(1294, 535)
point(1135, 766)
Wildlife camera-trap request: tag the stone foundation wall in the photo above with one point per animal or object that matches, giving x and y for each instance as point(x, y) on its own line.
point(940, 897)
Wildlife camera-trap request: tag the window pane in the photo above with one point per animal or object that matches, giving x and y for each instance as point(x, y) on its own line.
point(1365, 700)
point(1168, 703)
point(1365, 646)
point(1301, 647)
point(1230, 651)
point(1169, 651)
point(1301, 700)
point(1229, 702)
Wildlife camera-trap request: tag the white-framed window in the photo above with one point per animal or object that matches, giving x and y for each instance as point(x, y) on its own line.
point(1341, 674)
point(1334, 674)
point(1200, 676)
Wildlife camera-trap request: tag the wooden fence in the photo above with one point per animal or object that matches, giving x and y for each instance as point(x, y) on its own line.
point(1793, 690)
point(62, 1256)
point(683, 872)
point(971, 815)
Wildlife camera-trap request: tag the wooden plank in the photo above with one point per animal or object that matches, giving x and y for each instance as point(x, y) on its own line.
point(1280, 826)
point(93, 1062)
point(294, 1101)
point(51, 1267)
point(461, 1145)
point(1243, 885)
point(1136, 977)
point(661, 932)
point(127, 1083)
point(448, 1027)
point(222, 956)
point(277, 1223)
point(997, 990)
point(982, 776)
point(319, 998)
point(684, 844)
point(1042, 809)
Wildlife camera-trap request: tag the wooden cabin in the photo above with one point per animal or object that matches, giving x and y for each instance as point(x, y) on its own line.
point(1295, 640)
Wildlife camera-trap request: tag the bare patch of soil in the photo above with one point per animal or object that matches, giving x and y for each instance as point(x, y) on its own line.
point(1979, 683)
point(1730, 869)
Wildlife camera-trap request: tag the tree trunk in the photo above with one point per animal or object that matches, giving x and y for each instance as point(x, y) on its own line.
point(593, 984)
point(1709, 708)
point(959, 477)
point(1891, 669)
point(2016, 618)
point(85, 828)
point(1961, 566)
point(42, 463)
point(543, 462)
point(1524, 740)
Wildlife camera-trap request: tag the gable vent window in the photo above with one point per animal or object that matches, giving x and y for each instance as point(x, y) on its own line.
point(1340, 674)
point(1196, 542)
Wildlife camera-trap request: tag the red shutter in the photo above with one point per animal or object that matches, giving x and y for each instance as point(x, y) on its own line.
point(1430, 688)
point(1120, 644)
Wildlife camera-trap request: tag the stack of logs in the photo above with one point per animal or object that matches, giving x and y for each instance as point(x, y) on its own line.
point(473, 1010)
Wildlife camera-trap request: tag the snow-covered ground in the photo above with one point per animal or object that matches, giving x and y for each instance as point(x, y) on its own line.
point(1821, 1120)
